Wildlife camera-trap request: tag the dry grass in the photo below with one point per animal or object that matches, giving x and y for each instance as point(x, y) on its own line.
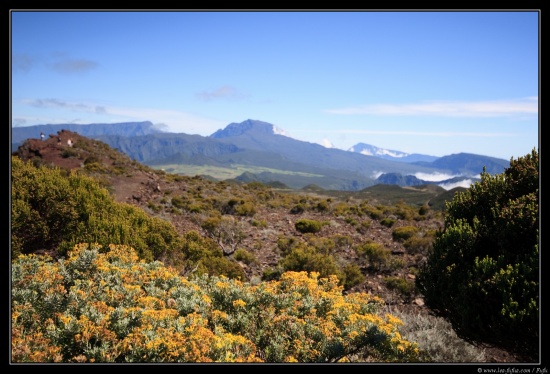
point(436, 337)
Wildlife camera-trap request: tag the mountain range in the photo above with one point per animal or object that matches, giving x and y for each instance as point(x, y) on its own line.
point(260, 151)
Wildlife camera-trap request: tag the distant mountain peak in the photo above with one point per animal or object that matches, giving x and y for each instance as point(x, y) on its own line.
point(250, 125)
point(388, 154)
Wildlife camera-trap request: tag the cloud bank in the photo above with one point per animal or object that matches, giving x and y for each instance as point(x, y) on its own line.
point(494, 108)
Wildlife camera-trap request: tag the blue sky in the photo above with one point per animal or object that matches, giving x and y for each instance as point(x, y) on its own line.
point(435, 83)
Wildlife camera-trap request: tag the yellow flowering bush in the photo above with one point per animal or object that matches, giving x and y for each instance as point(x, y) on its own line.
point(97, 306)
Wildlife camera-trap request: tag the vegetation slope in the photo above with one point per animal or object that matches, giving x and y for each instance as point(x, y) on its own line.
point(90, 196)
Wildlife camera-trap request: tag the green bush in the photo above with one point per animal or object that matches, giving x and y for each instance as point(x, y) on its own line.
point(323, 206)
point(372, 212)
point(246, 209)
point(483, 270)
point(308, 226)
point(377, 256)
point(418, 244)
point(352, 276)
point(245, 256)
point(423, 210)
point(400, 234)
point(388, 222)
point(55, 211)
point(363, 227)
point(298, 209)
point(259, 223)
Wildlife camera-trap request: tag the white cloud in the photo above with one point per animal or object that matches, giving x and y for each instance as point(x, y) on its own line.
point(175, 121)
point(466, 183)
point(326, 143)
point(376, 174)
point(494, 108)
point(434, 177)
point(170, 120)
point(422, 133)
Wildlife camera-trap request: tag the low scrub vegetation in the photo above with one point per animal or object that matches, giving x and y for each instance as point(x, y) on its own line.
point(111, 307)
point(254, 274)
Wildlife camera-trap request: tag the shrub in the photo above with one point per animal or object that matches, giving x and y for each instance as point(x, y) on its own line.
point(322, 245)
point(91, 159)
point(54, 211)
point(298, 209)
point(372, 212)
point(483, 270)
point(363, 227)
point(69, 152)
point(352, 276)
point(323, 206)
point(400, 234)
point(388, 222)
point(376, 254)
point(226, 231)
point(423, 210)
point(286, 244)
point(418, 244)
point(308, 226)
point(112, 308)
point(243, 255)
point(246, 209)
point(259, 223)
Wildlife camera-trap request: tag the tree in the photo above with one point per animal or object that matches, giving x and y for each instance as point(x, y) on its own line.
point(483, 270)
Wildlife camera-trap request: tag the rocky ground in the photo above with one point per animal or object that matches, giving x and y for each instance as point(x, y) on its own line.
point(142, 186)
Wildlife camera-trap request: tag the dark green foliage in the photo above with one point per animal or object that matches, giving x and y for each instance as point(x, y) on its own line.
point(270, 274)
point(323, 206)
point(388, 222)
point(483, 271)
point(308, 226)
point(352, 276)
point(69, 152)
point(51, 211)
point(298, 209)
point(424, 209)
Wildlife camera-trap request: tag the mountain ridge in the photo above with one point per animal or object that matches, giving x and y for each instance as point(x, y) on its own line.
point(259, 145)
